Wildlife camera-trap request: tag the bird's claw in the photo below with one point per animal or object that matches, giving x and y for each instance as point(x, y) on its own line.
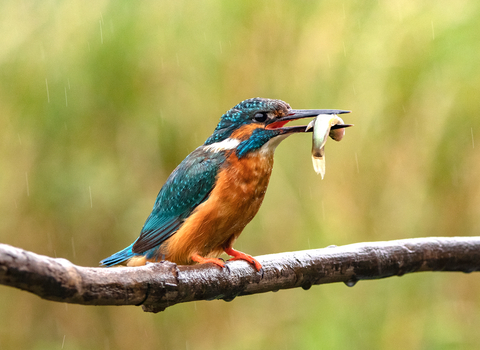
point(201, 260)
point(242, 256)
point(261, 272)
point(226, 267)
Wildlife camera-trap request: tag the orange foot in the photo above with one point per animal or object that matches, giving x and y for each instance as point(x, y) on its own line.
point(201, 260)
point(242, 256)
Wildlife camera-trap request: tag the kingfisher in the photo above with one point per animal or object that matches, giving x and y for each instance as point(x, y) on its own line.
point(217, 189)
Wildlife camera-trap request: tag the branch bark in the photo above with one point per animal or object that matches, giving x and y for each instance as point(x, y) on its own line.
point(157, 286)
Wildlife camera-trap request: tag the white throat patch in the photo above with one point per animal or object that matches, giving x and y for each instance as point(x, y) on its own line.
point(224, 145)
point(270, 146)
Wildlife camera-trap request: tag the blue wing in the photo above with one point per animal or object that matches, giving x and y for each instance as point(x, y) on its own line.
point(188, 186)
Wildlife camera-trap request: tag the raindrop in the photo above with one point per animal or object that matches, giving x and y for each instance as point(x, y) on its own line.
point(91, 202)
point(48, 94)
point(351, 282)
point(63, 342)
point(28, 189)
point(101, 31)
point(473, 141)
point(356, 161)
point(307, 285)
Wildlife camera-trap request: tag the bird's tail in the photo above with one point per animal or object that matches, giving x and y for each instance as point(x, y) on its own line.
point(118, 257)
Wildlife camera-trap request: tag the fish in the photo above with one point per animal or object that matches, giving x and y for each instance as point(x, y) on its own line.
point(324, 125)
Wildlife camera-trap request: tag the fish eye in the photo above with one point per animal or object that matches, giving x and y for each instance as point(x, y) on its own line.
point(260, 117)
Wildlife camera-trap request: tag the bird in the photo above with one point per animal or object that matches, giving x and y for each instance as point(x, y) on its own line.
point(217, 189)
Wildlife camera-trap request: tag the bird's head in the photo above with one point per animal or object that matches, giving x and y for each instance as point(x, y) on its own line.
point(255, 122)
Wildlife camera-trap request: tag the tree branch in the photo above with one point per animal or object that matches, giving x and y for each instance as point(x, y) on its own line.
point(157, 286)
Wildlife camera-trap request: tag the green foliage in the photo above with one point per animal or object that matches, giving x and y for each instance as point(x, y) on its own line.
point(99, 101)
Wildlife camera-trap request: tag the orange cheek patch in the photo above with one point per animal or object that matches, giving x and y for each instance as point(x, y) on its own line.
point(244, 132)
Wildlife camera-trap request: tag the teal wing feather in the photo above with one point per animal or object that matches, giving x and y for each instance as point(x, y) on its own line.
point(187, 187)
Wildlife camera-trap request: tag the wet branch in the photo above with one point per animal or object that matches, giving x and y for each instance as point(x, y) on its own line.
point(157, 286)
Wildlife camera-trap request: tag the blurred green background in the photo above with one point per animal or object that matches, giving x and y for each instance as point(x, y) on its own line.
point(99, 101)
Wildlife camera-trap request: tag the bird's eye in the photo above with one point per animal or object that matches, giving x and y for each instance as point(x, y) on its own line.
point(260, 117)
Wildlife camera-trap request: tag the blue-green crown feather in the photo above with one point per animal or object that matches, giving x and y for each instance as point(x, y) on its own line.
point(242, 114)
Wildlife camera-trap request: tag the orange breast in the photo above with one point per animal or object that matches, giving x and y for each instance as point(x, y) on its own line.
point(216, 223)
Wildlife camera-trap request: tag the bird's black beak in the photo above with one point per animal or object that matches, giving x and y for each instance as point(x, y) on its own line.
point(294, 114)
